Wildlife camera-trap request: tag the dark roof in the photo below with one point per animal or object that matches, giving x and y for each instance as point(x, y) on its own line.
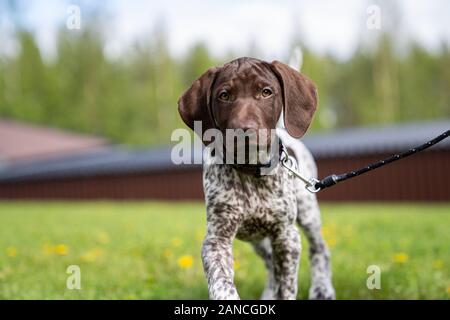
point(376, 139)
point(116, 160)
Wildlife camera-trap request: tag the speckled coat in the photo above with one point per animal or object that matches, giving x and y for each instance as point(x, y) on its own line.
point(264, 211)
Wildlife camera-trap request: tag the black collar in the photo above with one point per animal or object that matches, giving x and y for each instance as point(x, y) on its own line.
point(256, 169)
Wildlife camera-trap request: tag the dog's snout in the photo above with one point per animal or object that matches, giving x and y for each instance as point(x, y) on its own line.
point(250, 125)
point(245, 125)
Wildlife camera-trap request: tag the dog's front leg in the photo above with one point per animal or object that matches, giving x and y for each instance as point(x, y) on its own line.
point(286, 254)
point(217, 255)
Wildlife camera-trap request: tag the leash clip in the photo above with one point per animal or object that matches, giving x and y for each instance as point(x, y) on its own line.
point(310, 184)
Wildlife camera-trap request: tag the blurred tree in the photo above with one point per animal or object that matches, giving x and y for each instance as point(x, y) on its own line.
point(422, 85)
point(385, 81)
point(133, 99)
point(197, 61)
point(30, 97)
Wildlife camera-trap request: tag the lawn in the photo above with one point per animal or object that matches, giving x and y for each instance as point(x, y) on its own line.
point(150, 250)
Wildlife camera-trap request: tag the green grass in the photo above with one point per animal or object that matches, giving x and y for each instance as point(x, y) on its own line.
point(132, 251)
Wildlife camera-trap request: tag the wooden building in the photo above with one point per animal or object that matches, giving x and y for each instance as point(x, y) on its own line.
point(118, 173)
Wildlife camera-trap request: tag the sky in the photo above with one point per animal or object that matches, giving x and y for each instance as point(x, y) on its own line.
point(325, 26)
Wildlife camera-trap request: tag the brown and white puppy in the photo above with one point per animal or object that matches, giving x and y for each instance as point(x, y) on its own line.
point(250, 94)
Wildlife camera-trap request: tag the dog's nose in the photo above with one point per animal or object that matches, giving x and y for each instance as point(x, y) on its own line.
point(246, 125)
point(250, 127)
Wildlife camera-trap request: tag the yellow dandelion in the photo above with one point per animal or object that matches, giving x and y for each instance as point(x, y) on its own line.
point(325, 231)
point(331, 241)
point(185, 261)
point(103, 237)
point(400, 257)
point(329, 235)
point(11, 252)
point(91, 255)
point(61, 249)
point(176, 242)
point(329, 231)
point(438, 264)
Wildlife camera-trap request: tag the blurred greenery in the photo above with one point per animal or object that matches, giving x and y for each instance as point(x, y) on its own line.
point(132, 99)
point(150, 250)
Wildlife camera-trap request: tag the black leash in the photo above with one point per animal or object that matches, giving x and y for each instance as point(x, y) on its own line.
point(314, 185)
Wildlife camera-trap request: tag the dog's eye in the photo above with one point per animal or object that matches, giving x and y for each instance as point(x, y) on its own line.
point(224, 95)
point(266, 92)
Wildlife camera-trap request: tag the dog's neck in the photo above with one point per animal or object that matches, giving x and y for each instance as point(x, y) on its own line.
point(260, 169)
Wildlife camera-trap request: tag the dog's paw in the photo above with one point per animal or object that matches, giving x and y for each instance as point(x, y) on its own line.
point(322, 292)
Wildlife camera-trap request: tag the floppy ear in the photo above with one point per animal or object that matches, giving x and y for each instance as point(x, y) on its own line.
point(299, 98)
point(194, 104)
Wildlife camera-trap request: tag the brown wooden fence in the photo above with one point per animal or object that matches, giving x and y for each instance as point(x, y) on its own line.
point(422, 177)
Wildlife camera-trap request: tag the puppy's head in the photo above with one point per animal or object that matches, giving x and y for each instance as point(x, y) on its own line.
point(249, 94)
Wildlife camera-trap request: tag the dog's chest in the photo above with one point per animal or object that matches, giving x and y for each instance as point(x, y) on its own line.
point(268, 204)
point(260, 206)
